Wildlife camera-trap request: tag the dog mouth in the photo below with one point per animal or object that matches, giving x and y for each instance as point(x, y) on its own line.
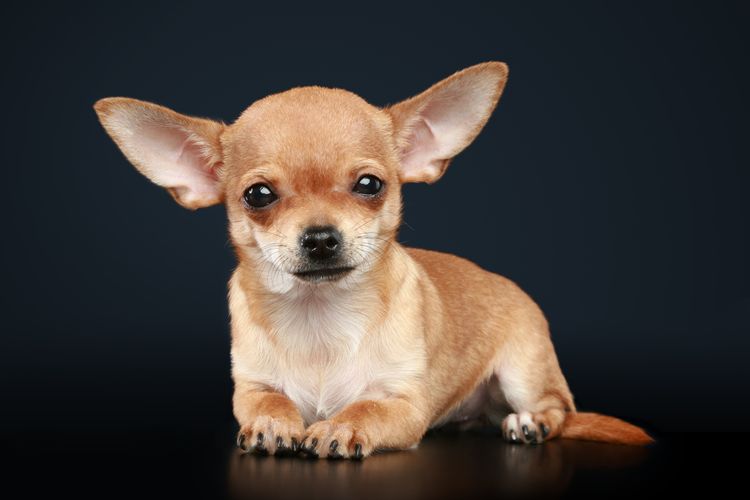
point(323, 274)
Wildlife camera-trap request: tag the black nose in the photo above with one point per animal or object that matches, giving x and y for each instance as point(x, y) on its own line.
point(321, 243)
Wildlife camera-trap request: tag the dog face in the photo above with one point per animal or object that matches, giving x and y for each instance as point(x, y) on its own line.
point(311, 185)
point(310, 177)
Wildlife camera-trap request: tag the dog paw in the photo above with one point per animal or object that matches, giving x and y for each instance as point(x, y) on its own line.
point(269, 435)
point(530, 428)
point(329, 439)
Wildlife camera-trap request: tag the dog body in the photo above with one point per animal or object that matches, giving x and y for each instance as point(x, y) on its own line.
point(343, 341)
point(342, 345)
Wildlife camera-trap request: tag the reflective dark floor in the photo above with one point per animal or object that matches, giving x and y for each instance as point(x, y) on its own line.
point(446, 465)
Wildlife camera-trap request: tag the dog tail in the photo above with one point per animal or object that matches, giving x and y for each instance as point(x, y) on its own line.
point(596, 427)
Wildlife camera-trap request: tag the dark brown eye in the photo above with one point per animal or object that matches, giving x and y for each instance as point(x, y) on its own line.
point(259, 196)
point(368, 185)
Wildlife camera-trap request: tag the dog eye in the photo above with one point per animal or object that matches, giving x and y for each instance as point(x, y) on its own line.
point(368, 185)
point(259, 196)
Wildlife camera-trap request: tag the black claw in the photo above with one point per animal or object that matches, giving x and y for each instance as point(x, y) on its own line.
point(545, 430)
point(529, 435)
point(241, 441)
point(259, 443)
point(358, 451)
point(334, 450)
point(284, 449)
point(310, 450)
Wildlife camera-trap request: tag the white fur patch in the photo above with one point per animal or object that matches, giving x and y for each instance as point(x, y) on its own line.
point(320, 352)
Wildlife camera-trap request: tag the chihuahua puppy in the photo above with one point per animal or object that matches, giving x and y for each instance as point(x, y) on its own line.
point(344, 342)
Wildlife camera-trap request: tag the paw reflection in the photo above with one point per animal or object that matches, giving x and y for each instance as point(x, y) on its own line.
point(445, 465)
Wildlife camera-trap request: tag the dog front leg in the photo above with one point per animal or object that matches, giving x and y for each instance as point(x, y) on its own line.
point(364, 426)
point(269, 421)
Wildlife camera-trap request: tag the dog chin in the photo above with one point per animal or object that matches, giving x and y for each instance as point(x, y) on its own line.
point(323, 275)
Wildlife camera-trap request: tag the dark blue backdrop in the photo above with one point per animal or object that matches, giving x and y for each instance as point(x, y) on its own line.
point(611, 184)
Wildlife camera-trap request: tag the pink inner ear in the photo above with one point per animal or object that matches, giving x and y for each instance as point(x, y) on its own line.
point(417, 161)
point(175, 159)
point(449, 119)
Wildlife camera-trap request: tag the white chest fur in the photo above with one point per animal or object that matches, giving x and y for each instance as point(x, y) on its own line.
point(321, 367)
point(325, 350)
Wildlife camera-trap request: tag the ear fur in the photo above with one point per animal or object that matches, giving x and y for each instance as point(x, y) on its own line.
point(434, 126)
point(175, 151)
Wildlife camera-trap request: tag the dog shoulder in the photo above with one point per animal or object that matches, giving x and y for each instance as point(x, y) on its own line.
point(466, 288)
point(448, 270)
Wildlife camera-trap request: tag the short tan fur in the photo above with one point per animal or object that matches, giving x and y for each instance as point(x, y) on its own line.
point(343, 341)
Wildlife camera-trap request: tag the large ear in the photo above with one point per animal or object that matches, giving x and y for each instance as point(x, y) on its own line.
point(175, 151)
point(434, 126)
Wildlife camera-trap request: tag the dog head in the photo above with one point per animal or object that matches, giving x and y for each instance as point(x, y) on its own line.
point(310, 177)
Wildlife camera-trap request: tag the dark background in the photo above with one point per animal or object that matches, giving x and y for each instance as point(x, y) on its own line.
point(611, 184)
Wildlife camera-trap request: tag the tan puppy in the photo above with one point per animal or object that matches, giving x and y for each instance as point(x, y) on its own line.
point(343, 341)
